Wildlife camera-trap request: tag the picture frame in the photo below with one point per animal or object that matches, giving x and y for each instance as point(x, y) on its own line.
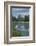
point(19, 22)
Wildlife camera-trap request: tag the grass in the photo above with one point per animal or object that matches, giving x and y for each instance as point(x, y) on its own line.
point(19, 33)
point(24, 33)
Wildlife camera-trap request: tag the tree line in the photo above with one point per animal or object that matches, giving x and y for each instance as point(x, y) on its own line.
point(26, 18)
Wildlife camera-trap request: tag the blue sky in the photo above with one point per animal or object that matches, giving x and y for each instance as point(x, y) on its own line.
point(21, 11)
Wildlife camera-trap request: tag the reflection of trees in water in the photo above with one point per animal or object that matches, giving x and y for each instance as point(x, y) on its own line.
point(21, 29)
point(22, 26)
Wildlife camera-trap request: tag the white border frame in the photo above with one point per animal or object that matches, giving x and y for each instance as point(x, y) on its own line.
point(31, 25)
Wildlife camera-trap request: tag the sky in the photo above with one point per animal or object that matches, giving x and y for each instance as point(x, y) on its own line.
point(20, 11)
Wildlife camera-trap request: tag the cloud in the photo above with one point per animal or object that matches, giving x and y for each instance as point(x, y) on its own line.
point(21, 11)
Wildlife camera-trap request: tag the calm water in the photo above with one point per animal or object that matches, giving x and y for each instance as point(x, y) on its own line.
point(23, 27)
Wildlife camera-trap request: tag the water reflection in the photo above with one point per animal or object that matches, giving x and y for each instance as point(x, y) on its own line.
point(22, 27)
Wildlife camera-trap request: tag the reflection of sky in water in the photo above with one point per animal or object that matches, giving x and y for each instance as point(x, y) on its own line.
point(21, 11)
point(22, 27)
